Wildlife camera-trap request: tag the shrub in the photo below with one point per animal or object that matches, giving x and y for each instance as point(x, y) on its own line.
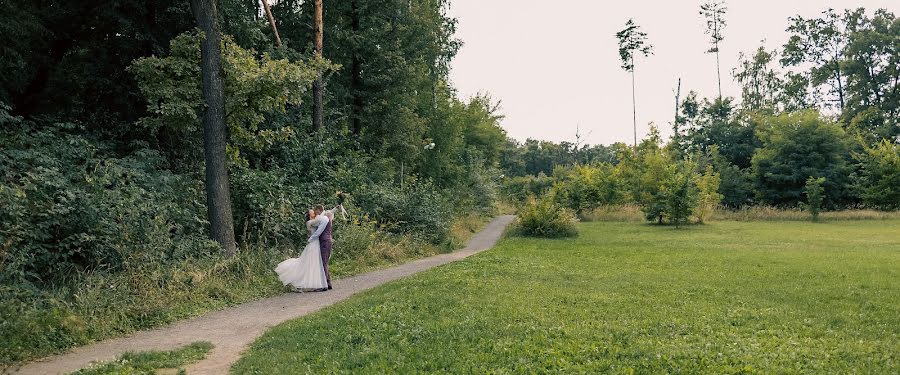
point(681, 196)
point(879, 181)
point(70, 208)
point(587, 188)
point(708, 183)
point(814, 192)
point(543, 218)
point(518, 189)
point(794, 147)
point(418, 210)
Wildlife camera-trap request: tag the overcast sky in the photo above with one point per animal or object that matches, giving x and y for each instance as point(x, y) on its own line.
point(555, 65)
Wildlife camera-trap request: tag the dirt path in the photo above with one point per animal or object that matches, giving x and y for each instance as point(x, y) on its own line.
point(233, 329)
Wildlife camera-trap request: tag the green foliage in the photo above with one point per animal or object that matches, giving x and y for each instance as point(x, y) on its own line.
point(69, 208)
point(622, 298)
point(708, 185)
point(151, 362)
point(681, 196)
point(519, 188)
point(419, 210)
point(632, 41)
point(543, 218)
point(794, 147)
point(652, 170)
point(254, 88)
point(588, 188)
point(879, 180)
point(814, 196)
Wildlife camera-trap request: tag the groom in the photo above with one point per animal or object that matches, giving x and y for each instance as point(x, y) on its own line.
point(325, 241)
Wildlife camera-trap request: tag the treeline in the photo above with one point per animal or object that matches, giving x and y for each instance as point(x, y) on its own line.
point(824, 113)
point(102, 163)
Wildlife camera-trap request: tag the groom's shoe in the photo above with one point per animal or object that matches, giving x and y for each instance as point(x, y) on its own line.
point(329, 287)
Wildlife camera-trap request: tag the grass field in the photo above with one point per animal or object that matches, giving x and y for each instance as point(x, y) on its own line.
point(727, 297)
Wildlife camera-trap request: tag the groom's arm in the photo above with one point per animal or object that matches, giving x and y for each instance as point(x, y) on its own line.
point(319, 230)
point(330, 213)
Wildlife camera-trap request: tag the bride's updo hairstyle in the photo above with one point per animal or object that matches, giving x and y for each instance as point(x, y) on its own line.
point(308, 216)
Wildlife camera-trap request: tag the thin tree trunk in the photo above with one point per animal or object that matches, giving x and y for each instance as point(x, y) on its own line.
point(634, 103)
point(218, 195)
point(718, 70)
point(676, 136)
point(355, 72)
point(318, 85)
point(272, 22)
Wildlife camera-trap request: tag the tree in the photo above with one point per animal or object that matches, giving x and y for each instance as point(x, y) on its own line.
point(255, 88)
point(680, 194)
point(714, 13)
point(717, 123)
point(318, 85)
point(760, 83)
point(709, 197)
point(272, 22)
point(218, 194)
point(814, 196)
point(632, 41)
point(794, 147)
point(872, 68)
point(879, 181)
point(820, 42)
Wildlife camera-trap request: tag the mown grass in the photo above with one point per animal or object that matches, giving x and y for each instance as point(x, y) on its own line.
point(105, 305)
point(726, 297)
point(152, 362)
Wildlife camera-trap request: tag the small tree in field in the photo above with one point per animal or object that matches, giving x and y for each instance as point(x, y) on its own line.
point(708, 184)
point(815, 194)
point(681, 196)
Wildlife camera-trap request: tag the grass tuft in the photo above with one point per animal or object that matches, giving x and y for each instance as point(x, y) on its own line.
point(151, 362)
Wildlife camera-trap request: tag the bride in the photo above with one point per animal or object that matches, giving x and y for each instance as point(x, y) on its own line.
point(306, 272)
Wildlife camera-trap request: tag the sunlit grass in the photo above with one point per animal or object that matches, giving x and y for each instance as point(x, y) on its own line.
point(728, 297)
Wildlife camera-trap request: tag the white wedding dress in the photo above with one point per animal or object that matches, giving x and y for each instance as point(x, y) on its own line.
point(306, 271)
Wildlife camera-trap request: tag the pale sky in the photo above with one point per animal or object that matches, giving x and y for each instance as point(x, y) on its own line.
point(555, 64)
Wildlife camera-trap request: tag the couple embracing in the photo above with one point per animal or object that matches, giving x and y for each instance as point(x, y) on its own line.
point(309, 272)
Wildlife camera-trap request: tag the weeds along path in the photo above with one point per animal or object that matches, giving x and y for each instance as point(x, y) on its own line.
point(232, 330)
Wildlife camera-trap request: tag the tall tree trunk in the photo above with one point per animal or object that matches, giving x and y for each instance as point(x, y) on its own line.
point(676, 136)
point(634, 104)
point(318, 106)
point(718, 70)
point(218, 195)
point(355, 71)
point(272, 22)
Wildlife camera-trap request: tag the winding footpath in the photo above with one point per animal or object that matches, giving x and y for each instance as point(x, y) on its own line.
point(232, 330)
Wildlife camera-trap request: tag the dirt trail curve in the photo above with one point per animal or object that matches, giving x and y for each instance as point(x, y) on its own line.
point(233, 329)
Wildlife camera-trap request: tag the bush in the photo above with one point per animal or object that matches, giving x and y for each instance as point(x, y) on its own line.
point(70, 208)
point(518, 189)
point(879, 181)
point(814, 192)
point(681, 196)
point(587, 188)
point(418, 210)
point(794, 147)
point(543, 218)
point(708, 183)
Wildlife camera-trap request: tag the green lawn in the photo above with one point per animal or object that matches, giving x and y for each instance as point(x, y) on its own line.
point(728, 297)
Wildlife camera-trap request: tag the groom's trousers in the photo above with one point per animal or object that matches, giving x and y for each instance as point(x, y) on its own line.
point(326, 255)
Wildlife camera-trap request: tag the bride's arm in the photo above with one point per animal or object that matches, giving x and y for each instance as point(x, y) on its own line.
point(320, 227)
